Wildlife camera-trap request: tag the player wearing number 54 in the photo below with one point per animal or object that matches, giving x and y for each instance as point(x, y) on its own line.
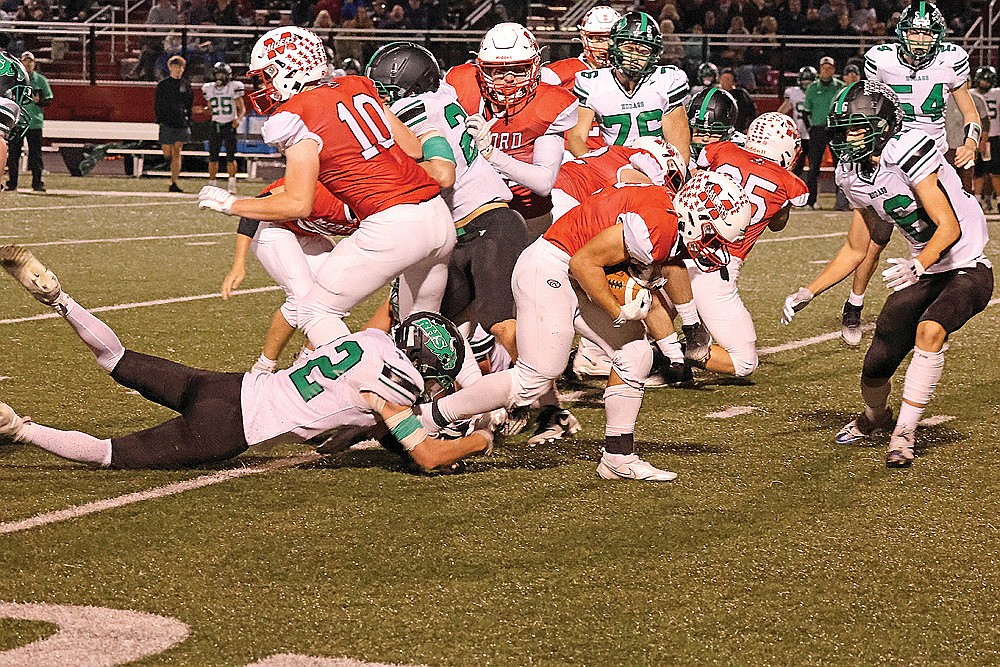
point(339, 133)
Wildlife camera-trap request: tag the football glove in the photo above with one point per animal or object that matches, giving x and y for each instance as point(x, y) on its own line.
point(794, 303)
point(216, 199)
point(482, 137)
point(905, 271)
point(636, 309)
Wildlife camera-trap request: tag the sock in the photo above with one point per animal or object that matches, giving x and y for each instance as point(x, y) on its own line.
point(213, 183)
point(671, 348)
point(496, 390)
point(621, 407)
point(231, 185)
point(264, 365)
point(875, 394)
point(95, 334)
point(922, 376)
point(618, 448)
point(688, 312)
point(71, 445)
point(856, 299)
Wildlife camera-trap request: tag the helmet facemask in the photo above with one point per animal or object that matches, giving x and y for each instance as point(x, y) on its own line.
point(265, 98)
point(920, 32)
point(634, 58)
point(853, 137)
point(509, 86)
point(595, 48)
point(713, 212)
point(708, 249)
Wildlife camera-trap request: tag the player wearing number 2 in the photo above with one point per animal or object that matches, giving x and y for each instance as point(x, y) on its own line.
point(338, 132)
point(762, 167)
point(634, 96)
point(899, 178)
point(923, 70)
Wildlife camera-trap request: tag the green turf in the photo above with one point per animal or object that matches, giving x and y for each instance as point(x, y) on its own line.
point(772, 547)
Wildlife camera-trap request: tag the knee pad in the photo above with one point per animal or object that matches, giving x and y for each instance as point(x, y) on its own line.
point(633, 363)
point(745, 362)
point(529, 384)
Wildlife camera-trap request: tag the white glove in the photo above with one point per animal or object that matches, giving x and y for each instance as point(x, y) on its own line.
point(794, 303)
point(636, 309)
point(216, 199)
point(479, 129)
point(905, 271)
point(486, 423)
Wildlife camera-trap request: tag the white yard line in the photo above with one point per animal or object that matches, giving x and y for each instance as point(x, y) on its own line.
point(65, 207)
point(110, 193)
point(142, 304)
point(128, 239)
point(159, 492)
point(777, 239)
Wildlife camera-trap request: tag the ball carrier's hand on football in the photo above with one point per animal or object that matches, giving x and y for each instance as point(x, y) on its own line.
point(587, 266)
point(480, 130)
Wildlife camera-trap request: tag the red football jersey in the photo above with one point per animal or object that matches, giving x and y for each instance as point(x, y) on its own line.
point(565, 71)
point(329, 216)
point(359, 161)
point(769, 186)
point(585, 175)
point(548, 112)
point(645, 212)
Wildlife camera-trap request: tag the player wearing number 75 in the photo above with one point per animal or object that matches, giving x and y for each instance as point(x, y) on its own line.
point(338, 132)
point(896, 178)
point(360, 380)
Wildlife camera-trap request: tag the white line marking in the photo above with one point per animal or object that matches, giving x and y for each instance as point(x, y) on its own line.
point(91, 636)
point(143, 304)
point(5, 377)
point(77, 511)
point(935, 420)
point(202, 243)
point(734, 411)
point(109, 193)
point(129, 238)
point(71, 206)
point(776, 239)
point(293, 660)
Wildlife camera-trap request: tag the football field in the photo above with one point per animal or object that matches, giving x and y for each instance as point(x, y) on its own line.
point(773, 547)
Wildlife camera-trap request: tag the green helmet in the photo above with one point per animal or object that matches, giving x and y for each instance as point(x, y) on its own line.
point(640, 29)
point(923, 18)
point(712, 112)
point(16, 87)
point(708, 74)
point(868, 106)
point(987, 74)
point(807, 75)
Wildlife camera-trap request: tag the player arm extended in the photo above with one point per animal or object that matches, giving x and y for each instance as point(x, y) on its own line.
point(676, 130)
point(576, 137)
point(587, 266)
point(850, 255)
point(428, 452)
point(540, 174)
point(966, 153)
point(296, 200)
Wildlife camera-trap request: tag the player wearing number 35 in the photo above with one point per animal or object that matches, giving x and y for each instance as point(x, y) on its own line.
point(360, 380)
point(339, 133)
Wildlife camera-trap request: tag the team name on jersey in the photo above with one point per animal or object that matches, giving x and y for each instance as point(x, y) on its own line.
point(507, 141)
point(878, 193)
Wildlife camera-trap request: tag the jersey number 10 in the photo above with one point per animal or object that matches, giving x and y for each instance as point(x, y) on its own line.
point(366, 110)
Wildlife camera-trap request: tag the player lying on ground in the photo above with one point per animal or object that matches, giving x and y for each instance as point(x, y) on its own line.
point(902, 180)
point(360, 380)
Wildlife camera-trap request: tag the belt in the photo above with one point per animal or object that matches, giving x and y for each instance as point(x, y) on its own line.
point(463, 226)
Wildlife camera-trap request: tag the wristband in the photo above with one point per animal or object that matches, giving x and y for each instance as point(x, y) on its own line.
point(973, 131)
point(407, 429)
point(437, 146)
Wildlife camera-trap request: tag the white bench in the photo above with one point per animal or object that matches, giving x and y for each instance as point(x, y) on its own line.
point(111, 131)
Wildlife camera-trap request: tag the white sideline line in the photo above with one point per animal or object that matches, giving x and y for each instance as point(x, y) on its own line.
point(776, 239)
point(77, 511)
point(110, 193)
point(70, 206)
point(143, 304)
point(126, 239)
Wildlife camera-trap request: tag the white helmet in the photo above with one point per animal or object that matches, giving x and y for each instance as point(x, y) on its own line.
point(670, 166)
point(775, 136)
point(597, 25)
point(287, 59)
point(713, 212)
point(509, 51)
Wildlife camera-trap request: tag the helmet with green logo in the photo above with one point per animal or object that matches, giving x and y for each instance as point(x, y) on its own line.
point(987, 74)
point(711, 114)
point(920, 32)
point(435, 347)
point(863, 118)
point(635, 45)
point(16, 87)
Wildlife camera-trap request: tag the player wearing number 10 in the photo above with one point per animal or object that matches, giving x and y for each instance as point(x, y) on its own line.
point(338, 132)
point(898, 178)
point(359, 380)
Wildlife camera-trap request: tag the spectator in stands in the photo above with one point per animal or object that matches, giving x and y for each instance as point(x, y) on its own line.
point(711, 24)
point(673, 50)
point(174, 100)
point(669, 11)
point(227, 12)
point(417, 15)
point(863, 18)
point(745, 103)
point(331, 7)
point(819, 99)
point(360, 26)
point(302, 12)
point(394, 20)
point(694, 14)
point(323, 21)
point(198, 12)
point(164, 13)
point(792, 19)
point(41, 96)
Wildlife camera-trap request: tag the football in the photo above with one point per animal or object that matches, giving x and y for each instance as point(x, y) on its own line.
point(624, 287)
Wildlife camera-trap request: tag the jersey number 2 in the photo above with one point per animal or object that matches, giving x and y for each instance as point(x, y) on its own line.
point(310, 389)
point(369, 111)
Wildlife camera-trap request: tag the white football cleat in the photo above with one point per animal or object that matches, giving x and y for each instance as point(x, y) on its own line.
point(633, 468)
point(10, 423)
point(901, 449)
point(850, 324)
point(554, 423)
point(41, 283)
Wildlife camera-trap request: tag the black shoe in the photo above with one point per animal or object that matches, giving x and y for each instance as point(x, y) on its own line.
point(174, 188)
point(38, 188)
point(850, 324)
point(554, 423)
point(10, 187)
point(697, 342)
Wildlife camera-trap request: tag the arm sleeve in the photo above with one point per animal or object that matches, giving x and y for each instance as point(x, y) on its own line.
point(46, 89)
point(540, 175)
point(675, 88)
point(638, 243)
point(581, 85)
point(959, 70)
point(550, 77)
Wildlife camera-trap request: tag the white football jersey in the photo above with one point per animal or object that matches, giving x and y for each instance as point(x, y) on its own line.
point(908, 158)
point(222, 99)
point(992, 99)
point(324, 391)
point(796, 96)
point(623, 116)
point(476, 181)
point(922, 93)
